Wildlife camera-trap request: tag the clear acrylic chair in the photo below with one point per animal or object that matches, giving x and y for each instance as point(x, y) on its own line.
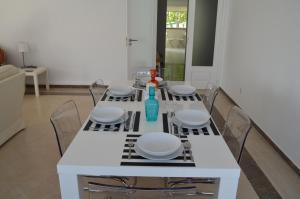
point(104, 191)
point(236, 130)
point(141, 74)
point(210, 95)
point(97, 89)
point(66, 123)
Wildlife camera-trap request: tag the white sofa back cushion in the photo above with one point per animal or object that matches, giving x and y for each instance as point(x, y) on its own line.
point(7, 71)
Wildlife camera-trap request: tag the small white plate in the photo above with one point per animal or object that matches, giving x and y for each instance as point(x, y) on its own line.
point(158, 143)
point(107, 114)
point(192, 117)
point(121, 91)
point(182, 89)
point(159, 158)
point(144, 80)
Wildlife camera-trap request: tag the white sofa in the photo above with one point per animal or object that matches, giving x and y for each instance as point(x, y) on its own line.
point(12, 88)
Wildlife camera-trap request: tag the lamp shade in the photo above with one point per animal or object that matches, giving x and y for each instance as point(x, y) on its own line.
point(23, 47)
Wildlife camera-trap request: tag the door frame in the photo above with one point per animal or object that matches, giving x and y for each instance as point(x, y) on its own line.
point(154, 33)
point(214, 73)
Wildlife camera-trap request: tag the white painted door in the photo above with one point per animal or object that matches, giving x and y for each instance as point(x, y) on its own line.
point(141, 34)
point(198, 74)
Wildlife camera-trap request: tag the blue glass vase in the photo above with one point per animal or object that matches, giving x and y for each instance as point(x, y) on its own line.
point(151, 105)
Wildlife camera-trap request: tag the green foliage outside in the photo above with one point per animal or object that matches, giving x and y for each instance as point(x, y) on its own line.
point(176, 17)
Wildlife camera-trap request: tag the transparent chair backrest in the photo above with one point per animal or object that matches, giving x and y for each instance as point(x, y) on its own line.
point(236, 129)
point(66, 122)
point(138, 72)
point(97, 89)
point(210, 95)
point(141, 74)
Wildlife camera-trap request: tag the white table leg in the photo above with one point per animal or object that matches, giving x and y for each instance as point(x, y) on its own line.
point(70, 186)
point(228, 188)
point(47, 81)
point(36, 85)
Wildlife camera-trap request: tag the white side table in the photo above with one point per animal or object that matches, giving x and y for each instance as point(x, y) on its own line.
point(35, 72)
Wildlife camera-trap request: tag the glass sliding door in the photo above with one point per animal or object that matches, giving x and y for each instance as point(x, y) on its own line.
point(204, 32)
point(204, 47)
point(175, 43)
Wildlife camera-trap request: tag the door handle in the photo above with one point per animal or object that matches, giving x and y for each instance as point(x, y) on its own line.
point(131, 40)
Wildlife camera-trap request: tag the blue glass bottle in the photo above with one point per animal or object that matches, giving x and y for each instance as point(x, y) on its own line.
point(151, 105)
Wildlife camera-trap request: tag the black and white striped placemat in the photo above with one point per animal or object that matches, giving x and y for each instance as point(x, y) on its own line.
point(209, 129)
point(137, 160)
point(132, 121)
point(166, 96)
point(137, 97)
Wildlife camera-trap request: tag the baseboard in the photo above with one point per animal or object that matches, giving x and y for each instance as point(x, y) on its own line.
point(79, 90)
point(59, 86)
point(268, 139)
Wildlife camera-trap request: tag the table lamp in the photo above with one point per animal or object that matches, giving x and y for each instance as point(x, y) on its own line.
point(23, 48)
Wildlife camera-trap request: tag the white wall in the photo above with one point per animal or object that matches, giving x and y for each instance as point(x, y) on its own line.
point(78, 40)
point(263, 60)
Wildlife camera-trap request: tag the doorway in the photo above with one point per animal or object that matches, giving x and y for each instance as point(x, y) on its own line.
point(183, 37)
point(172, 38)
point(190, 39)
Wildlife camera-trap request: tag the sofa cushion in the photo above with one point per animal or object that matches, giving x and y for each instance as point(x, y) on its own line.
point(7, 71)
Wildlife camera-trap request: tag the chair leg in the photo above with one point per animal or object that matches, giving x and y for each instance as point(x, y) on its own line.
point(122, 180)
point(192, 181)
point(130, 191)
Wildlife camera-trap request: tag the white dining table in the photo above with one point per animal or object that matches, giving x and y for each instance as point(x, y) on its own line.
point(95, 152)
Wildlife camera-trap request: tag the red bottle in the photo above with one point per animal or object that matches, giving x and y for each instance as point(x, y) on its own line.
point(153, 76)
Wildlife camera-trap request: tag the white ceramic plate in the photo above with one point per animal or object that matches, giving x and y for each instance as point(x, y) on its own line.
point(159, 158)
point(182, 89)
point(144, 80)
point(158, 143)
point(188, 126)
point(176, 94)
point(192, 117)
point(123, 119)
point(121, 91)
point(107, 114)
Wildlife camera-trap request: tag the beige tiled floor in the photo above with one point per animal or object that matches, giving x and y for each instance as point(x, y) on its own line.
point(28, 160)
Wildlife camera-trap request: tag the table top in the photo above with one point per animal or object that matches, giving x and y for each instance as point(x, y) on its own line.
point(95, 152)
point(33, 71)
